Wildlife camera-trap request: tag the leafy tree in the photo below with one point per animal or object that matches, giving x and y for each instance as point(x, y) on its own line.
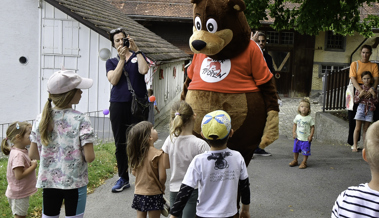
point(312, 16)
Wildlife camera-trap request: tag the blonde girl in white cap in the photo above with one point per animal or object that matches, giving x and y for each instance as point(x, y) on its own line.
point(21, 174)
point(62, 139)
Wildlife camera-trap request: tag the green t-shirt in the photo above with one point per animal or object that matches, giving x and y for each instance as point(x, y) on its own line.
point(304, 125)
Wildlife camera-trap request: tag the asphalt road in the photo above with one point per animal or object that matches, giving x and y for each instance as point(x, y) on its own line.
point(277, 189)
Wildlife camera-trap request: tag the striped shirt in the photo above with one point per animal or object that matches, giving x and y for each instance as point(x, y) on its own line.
point(357, 201)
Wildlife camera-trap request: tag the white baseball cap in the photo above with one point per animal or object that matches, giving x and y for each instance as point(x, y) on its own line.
point(66, 80)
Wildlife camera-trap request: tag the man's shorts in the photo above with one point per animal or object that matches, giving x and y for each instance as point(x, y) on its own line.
point(360, 115)
point(303, 147)
point(19, 206)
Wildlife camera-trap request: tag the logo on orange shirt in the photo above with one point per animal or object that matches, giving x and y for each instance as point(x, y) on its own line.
point(213, 71)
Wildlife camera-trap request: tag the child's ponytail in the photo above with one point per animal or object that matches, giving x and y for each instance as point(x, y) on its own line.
point(16, 128)
point(46, 119)
point(181, 113)
point(5, 147)
point(46, 124)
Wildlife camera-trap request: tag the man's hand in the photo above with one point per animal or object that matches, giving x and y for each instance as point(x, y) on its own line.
point(254, 36)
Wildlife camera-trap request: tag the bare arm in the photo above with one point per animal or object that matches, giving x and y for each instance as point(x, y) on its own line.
point(115, 75)
point(162, 172)
point(33, 151)
point(143, 66)
point(310, 137)
point(20, 173)
point(166, 160)
point(355, 84)
point(294, 131)
point(89, 153)
point(245, 211)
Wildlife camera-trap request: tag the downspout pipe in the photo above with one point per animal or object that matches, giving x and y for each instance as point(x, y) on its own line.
point(351, 56)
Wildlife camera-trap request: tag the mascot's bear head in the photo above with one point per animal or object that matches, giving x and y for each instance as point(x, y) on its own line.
point(220, 28)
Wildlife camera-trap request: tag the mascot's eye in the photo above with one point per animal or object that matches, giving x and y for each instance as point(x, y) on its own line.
point(198, 23)
point(211, 25)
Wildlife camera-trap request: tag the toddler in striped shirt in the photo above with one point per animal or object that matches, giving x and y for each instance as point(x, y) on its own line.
point(363, 200)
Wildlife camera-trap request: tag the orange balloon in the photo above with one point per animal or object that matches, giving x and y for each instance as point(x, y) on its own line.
point(152, 98)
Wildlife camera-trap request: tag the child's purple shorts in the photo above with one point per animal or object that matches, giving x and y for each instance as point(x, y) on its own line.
point(303, 147)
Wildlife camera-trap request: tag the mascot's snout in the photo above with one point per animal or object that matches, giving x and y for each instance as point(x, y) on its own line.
point(198, 44)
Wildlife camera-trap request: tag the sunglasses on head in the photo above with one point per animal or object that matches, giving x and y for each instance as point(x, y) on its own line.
point(118, 30)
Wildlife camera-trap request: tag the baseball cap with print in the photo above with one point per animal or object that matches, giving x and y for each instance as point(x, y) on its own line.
point(66, 80)
point(216, 125)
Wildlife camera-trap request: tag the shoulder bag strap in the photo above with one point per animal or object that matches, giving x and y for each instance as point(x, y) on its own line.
point(130, 87)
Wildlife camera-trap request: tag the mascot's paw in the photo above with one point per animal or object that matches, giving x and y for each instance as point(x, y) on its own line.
point(271, 131)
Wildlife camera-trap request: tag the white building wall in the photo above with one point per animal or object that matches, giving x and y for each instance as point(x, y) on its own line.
point(68, 43)
point(19, 37)
point(50, 39)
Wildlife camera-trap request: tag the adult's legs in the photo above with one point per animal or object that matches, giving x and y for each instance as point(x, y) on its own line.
point(120, 122)
point(351, 115)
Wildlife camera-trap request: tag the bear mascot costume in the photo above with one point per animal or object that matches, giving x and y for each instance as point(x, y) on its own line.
point(228, 72)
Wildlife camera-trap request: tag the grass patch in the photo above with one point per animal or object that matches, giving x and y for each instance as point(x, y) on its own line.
point(102, 168)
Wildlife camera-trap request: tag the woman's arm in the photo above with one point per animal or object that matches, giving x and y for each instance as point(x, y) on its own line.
point(33, 151)
point(20, 173)
point(89, 153)
point(143, 66)
point(356, 84)
point(115, 75)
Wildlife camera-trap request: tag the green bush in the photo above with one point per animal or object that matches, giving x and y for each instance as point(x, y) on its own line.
point(102, 168)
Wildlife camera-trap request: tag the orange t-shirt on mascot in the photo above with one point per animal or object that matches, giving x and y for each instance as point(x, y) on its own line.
point(241, 74)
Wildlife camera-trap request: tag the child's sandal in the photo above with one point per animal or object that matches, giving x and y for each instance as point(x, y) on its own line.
point(303, 166)
point(293, 163)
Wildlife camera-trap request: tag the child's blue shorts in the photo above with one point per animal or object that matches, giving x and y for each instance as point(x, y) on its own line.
point(303, 147)
point(360, 115)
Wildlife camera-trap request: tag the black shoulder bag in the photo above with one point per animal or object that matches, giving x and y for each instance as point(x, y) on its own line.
point(140, 105)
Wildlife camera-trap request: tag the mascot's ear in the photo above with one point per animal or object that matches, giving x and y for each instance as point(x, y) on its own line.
point(237, 5)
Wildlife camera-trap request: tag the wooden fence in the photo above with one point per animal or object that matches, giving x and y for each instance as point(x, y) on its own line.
point(334, 89)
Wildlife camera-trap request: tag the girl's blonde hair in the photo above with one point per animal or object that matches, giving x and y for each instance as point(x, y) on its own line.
point(138, 143)
point(305, 100)
point(46, 124)
point(16, 128)
point(181, 114)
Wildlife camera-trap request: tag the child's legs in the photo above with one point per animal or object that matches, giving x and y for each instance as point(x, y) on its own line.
point(154, 213)
point(305, 150)
point(365, 127)
point(189, 210)
point(296, 149)
point(357, 131)
point(19, 207)
point(75, 202)
point(141, 214)
point(52, 202)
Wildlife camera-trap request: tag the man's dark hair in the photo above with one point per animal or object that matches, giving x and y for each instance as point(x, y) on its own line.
point(114, 32)
point(262, 34)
